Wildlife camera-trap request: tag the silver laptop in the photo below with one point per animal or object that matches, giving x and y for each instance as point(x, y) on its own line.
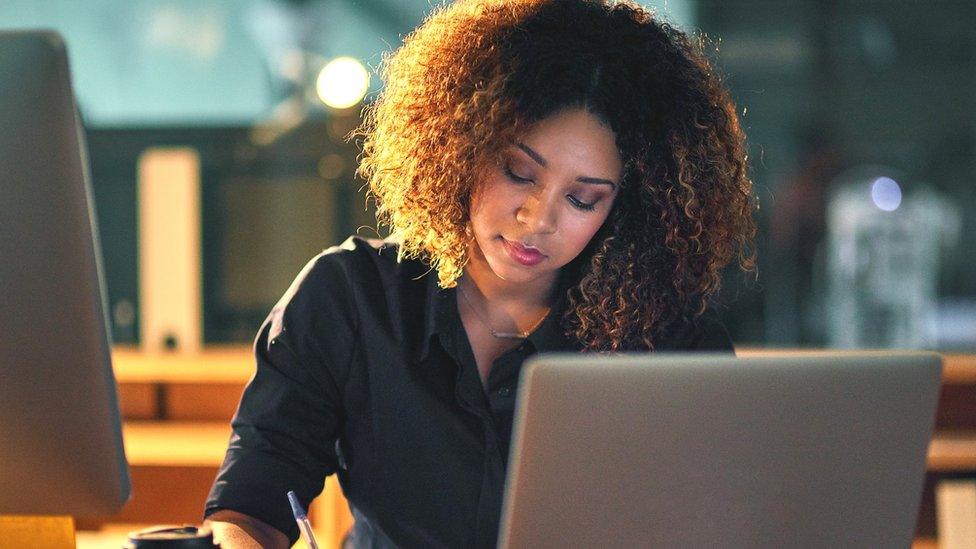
point(823, 450)
point(60, 440)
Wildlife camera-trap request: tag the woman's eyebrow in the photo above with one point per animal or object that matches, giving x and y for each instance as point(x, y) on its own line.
point(582, 179)
point(534, 155)
point(597, 181)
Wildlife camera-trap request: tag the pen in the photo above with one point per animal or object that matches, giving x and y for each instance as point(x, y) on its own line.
point(302, 519)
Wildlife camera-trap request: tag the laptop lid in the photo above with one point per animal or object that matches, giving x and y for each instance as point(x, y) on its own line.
point(656, 450)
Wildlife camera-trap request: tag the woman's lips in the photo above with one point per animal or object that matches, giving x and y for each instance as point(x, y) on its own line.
point(521, 254)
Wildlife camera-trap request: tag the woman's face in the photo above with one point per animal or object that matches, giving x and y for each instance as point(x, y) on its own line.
point(538, 209)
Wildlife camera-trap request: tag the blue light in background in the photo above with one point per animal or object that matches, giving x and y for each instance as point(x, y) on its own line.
point(886, 194)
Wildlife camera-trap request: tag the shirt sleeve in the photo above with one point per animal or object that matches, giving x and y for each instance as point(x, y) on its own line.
point(290, 414)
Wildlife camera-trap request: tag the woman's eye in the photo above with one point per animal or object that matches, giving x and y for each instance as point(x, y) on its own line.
point(516, 178)
point(577, 203)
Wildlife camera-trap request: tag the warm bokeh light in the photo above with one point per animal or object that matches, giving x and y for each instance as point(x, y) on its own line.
point(886, 194)
point(342, 83)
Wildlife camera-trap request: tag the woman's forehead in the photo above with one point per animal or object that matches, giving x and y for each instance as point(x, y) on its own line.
point(570, 137)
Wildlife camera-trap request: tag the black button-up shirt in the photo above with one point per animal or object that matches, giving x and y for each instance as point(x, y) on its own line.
point(364, 370)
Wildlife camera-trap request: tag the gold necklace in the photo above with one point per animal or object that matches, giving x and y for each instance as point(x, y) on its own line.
point(500, 335)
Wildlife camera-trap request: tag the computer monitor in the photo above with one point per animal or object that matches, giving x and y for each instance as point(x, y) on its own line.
point(61, 447)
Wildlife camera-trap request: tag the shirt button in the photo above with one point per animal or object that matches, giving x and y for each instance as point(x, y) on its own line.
point(504, 391)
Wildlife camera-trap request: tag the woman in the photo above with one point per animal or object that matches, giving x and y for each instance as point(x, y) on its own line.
point(557, 175)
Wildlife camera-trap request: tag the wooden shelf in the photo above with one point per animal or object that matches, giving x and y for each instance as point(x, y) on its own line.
point(957, 368)
point(170, 386)
point(952, 451)
point(179, 443)
point(216, 364)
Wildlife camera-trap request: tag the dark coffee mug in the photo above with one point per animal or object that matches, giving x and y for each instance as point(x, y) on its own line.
point(172, 537)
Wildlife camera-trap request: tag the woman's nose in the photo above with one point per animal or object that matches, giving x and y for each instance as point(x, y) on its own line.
point(538, 213)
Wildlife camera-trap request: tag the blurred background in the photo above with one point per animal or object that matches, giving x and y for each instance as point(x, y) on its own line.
point(861, 120)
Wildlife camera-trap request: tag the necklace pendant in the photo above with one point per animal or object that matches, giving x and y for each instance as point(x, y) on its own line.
point(510, 335)
point(500, 335)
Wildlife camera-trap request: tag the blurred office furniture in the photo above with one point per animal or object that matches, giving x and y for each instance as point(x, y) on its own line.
point(169, 250)
point(884, 244)
point(264, 211)
point(796, 227)
point(956, 501)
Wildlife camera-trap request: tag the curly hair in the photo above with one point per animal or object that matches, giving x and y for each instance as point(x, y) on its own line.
point(477, 74)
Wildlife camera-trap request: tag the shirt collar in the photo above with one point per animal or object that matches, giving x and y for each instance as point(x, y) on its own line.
point(549, 336)
point(441, 320)
point(436, 309)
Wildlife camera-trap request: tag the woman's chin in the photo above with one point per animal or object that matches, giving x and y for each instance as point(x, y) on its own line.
point(519, 274)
